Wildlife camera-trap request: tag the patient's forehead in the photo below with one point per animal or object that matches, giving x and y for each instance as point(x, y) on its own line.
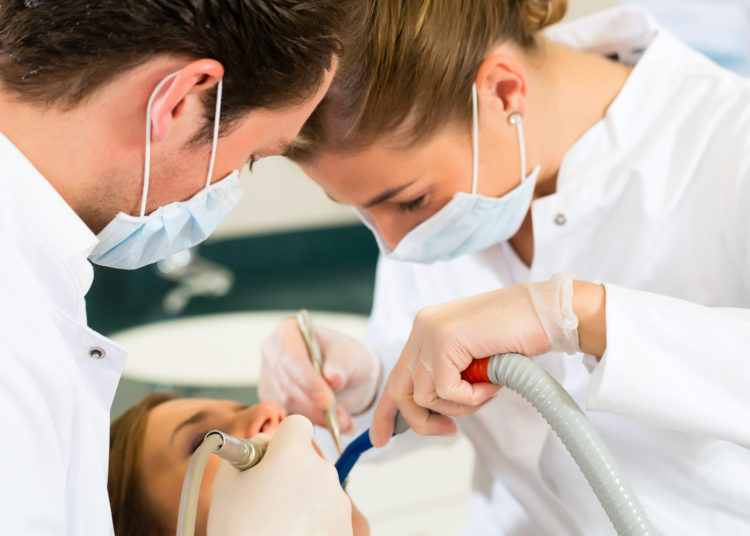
point(163, 418)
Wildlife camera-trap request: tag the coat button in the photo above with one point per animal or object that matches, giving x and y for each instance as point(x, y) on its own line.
point(96, 352)
point(560, 219)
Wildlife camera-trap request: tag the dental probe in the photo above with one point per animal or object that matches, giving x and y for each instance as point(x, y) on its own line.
point(241, 453)
point(313, 348)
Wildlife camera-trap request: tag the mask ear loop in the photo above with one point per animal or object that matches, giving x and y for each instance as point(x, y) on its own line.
point(214, 142)
point(474, 138)
point(147, 165)
point(517, 119)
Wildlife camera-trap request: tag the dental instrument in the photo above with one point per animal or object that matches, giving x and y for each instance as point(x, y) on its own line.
point(359, 446)
point(241, 453)
point(523, 376)
point(313, 348)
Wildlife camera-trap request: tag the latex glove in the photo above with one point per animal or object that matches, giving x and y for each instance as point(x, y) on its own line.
point(530, 318)
point(351, 372)
point(292, 491)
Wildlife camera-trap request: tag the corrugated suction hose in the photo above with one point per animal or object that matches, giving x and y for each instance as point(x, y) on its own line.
point(522, 375)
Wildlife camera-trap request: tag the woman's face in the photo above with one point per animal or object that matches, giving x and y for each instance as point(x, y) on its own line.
point(400, 188)
point(173, 432)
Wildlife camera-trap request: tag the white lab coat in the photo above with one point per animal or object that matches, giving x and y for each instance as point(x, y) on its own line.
point(54, 396)
point(654, 201)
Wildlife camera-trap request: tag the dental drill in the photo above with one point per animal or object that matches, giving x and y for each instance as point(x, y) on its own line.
point(241, 453)
point(523, 376)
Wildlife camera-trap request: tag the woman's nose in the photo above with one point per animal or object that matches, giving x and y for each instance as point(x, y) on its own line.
point(390, 229)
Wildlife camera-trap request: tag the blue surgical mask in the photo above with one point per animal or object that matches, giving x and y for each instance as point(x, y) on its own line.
point(469, 222)
point(130, 242)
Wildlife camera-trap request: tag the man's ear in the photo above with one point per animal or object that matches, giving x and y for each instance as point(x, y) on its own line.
point(195, 77)
point(501, 85)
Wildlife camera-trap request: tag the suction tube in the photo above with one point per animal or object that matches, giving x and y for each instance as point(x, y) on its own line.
point(522, 375)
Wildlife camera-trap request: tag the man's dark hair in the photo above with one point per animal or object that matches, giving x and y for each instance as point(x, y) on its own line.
point(274, 52)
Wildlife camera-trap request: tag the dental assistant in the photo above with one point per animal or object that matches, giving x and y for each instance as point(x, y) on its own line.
point(122, 130)
point(600, 225)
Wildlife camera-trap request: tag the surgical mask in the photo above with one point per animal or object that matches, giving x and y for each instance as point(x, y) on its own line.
point(469, 222)
point(130, 242)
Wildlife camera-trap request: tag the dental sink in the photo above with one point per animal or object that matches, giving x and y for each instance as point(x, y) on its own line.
point(221, 350)
point(420, 487)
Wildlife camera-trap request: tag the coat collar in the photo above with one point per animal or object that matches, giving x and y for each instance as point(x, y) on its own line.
point(53, 218)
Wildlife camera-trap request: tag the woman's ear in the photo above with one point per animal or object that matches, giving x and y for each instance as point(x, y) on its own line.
point(501, 85)
point(193, 78)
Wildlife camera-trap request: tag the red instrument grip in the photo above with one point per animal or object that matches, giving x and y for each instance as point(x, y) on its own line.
point(476, 372)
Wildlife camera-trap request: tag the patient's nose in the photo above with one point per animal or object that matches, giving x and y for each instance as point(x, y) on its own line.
point(265, 417)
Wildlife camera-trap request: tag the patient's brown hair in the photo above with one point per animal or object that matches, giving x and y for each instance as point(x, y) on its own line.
point(132, 514)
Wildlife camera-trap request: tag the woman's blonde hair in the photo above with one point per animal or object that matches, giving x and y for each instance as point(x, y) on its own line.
point(132, 513)
point(411, 68)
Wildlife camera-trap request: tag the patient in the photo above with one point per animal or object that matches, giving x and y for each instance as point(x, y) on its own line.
point(150, 449)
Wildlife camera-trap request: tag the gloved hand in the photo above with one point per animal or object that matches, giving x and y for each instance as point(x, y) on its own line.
point(530, 318)
point(292, 491)
point(351, 372)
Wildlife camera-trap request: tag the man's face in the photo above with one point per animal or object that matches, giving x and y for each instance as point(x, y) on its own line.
point(179, 166)
point(182, 173)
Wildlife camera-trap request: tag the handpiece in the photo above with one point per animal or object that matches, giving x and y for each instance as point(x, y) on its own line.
point(360, 445)
point(241, 453)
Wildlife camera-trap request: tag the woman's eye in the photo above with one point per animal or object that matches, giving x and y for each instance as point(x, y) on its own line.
point(412, 205)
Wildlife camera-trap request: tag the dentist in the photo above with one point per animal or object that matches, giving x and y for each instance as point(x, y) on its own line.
point(122, 129)
point(492, 154)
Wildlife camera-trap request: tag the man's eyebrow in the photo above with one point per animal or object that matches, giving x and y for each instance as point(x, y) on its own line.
point(386, 195)
point(190, 420)
point(279, 149)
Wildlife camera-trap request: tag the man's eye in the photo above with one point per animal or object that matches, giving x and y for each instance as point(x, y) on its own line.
point(251, 161)
point(412, 205)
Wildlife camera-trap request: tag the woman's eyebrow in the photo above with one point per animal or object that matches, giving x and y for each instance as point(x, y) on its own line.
point(190, 420)
point(386, 195)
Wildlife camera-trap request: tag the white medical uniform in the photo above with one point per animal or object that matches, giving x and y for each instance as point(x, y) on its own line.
point(654, 200)
point(57, 376)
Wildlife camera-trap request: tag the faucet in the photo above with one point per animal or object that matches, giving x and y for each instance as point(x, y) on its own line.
point(195, 276)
